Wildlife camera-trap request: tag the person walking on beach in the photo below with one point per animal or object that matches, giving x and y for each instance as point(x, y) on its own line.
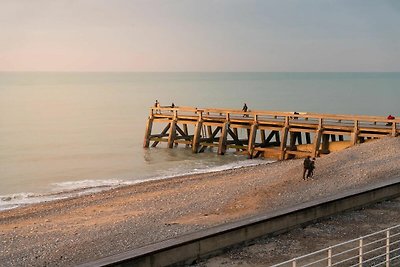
point(311, 169)
point(306, 167)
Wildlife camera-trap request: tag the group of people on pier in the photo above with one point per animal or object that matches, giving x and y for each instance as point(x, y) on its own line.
point(157, 105)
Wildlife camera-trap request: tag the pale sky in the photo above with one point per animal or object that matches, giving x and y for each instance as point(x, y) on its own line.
point(199, 35)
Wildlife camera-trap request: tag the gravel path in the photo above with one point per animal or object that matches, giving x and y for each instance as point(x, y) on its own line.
point(73, 231)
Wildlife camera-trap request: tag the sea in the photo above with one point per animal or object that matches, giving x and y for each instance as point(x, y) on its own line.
point(64, 134)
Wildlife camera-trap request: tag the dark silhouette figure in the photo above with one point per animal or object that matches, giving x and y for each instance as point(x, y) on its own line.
point(172, 105)
point(306, 167)
point(244, 109)
point(311, 169)
point(157, 105)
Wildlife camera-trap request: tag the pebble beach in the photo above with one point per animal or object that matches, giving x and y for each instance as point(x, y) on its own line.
point(77, 230)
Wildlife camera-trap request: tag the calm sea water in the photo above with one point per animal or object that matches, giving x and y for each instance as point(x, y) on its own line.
point(63, 134)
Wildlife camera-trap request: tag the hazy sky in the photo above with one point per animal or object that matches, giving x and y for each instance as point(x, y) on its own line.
point(200, 35)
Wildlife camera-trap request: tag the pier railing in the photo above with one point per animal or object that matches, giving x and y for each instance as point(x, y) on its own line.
point(271, 133)
point(381, 248)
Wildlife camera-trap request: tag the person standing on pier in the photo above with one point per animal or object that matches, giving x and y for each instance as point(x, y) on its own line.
point(306, 167)
point(157, 105)
point(390, 117)
point(244, 109)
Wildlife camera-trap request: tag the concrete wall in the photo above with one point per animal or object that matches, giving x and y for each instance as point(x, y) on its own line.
point(188, 248)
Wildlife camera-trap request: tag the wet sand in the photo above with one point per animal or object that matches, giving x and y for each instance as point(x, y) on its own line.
point(72, 231)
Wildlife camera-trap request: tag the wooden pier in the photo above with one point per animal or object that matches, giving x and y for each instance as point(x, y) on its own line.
point(269, 134)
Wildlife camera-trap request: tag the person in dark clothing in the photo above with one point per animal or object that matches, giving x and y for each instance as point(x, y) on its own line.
point(306, 167)
point(157, 105)
point(244, 109)
point(311, 169)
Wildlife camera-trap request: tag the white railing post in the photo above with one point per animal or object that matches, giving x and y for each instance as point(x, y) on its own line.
point(329, 257)
point(387, 248)
point(360, 253)
point(294, 263)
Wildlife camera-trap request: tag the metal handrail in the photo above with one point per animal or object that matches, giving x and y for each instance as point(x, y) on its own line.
point(386, 255)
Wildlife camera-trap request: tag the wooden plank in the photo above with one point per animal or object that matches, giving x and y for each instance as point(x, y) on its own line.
point(185, 142)
point(373, 135)
point(192, 122)
point(299, 153)
point(215, 124)
point(298, 130)
point(158, 139)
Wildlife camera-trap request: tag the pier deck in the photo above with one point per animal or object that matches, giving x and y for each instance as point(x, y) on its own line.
point(256, 133)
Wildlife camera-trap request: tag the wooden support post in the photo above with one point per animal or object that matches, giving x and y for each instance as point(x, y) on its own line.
point(284, 131)
point(325, 144)
point(172, 134)
point(308, 138)
point(197, 132)
point(235, 132)
point(252, 139)
point(222, 139)
point(317, 139)
point(185, 130)
point(209, 132)
point(277, 137)
point(394, 132)
point(147, 133)
point(292, 141)
point(354, 134)
point(317, 143)
point(262, 136)
point(299, 139)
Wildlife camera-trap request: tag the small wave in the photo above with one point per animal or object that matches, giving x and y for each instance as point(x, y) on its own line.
point(70, 189)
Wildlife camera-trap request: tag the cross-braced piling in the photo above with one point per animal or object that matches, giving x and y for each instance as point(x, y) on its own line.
point(280, 135)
